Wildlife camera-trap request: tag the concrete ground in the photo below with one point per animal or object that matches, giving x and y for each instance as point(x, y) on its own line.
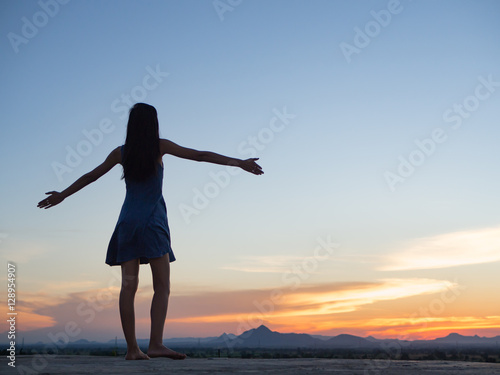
point(84, 365)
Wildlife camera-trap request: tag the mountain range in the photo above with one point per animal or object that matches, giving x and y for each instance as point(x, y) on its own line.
point(263, 337)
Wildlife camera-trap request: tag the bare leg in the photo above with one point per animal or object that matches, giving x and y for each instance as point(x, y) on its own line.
point(130, 281)
point(160, 267)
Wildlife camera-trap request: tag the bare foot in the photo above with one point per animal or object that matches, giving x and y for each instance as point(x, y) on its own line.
point(136, 354)
point(163, 351)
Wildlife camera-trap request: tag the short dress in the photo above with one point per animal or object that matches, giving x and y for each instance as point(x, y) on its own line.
point(142, 230)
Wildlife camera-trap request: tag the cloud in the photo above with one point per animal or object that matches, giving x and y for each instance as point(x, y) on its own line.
point(447, 250)
point(348, 300)
point(42, 315)
point(95, 312)
point(277, 305)
point(26, 309)
point(409, 308)
point(70, 285)
point(23, 251)
point(265, 263)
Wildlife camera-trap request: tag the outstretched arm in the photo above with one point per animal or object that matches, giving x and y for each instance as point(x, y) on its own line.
point(55, 197)
point(169, 147)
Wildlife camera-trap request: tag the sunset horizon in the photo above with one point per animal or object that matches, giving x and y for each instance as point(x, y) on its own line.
point(424, 308)
point(53, 339)
point(328, 167)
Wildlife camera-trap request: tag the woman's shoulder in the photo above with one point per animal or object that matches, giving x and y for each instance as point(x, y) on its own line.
point(117, 154)
point(165, 146)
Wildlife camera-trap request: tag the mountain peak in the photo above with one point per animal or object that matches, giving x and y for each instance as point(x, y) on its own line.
point(454, 335)
point(263, 328)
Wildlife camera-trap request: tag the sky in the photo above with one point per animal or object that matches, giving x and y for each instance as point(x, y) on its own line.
point(375, 122)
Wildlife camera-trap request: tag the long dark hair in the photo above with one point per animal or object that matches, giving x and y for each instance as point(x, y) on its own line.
point(142, 145)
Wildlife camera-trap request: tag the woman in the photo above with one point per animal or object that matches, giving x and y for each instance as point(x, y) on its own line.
point(142, 234)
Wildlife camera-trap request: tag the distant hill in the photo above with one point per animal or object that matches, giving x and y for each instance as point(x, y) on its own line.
point(344, 341)
point(263, 337)
point(453, 338)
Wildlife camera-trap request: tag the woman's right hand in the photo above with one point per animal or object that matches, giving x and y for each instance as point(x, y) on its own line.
point(251, 166)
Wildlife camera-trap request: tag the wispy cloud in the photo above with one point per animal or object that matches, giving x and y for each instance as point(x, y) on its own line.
point(70, 285)
point(22, 251)
point(265, 263)
point(447, 250)
point(351, 299)
point(27, 310)
point(384, 308)
point(92, 312)
point(322, 300)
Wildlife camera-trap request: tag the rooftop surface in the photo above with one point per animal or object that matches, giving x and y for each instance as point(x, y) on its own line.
point(80, 365)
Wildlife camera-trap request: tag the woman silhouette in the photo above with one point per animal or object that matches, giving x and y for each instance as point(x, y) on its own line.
point(142, 234)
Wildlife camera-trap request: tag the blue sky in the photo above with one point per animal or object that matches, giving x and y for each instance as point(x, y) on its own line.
point(221, 79)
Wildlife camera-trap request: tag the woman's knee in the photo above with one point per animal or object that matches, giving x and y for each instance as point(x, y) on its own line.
point(130, 275)
point(160, 268)
point(130, 283)
point(162, 286)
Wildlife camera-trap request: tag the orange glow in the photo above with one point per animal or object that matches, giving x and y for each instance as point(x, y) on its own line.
point(29, 320)
point(384, 309)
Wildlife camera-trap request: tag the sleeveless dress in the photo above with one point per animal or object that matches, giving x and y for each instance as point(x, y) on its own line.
point(142, 230)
